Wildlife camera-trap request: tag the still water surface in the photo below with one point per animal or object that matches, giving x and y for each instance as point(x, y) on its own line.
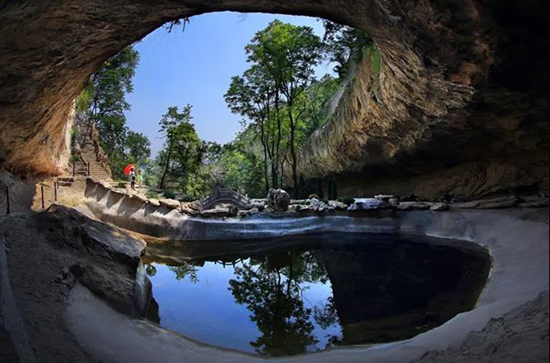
point(304, 294)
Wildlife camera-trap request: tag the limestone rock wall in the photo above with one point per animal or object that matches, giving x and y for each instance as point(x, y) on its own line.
point(467, 116)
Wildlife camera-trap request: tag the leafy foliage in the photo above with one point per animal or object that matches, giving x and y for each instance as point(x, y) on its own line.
point(270, 93)
point(185, 270)
point(180, 156)
point(138, 147)
point(270, 288)
point(342, 43)
point(103, 103)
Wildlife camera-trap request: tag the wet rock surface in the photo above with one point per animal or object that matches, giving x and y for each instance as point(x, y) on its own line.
point(369, 204)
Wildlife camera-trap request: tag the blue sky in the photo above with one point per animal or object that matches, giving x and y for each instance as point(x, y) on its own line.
point(196, 67)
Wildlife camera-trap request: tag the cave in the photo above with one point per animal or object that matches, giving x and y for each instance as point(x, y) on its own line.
point(459, 109)
point(460, 106)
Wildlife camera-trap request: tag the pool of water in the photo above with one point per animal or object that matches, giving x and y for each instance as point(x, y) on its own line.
point(290, 296)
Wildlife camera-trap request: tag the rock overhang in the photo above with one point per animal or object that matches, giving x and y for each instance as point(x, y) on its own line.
point(459, 87)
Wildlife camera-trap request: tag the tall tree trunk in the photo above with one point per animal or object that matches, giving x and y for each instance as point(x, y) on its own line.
point(293, 152)
point(279, 134)
point(266, 167)
point(167, 169)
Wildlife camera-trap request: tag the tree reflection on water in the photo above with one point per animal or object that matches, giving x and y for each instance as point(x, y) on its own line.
point(271, 288)
point(291, 299)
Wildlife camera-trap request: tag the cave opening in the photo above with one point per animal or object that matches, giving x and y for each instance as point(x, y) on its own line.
point(247, 115)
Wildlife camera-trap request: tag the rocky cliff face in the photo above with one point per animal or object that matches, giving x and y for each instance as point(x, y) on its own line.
point(464, 114)
point(463, 87)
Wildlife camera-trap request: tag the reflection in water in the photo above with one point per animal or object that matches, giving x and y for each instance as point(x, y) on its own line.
point(305, 294)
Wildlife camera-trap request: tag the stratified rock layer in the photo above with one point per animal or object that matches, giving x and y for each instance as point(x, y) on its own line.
point(459, 104)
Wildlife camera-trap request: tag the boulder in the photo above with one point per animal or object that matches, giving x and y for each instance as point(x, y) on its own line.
point(170, 203)
point(368, 204)
point(440, 207)
point(278, 200)
point(394, 202)
point(495, 203)
point(154, 202)
point(411, 206)
point(248, 213)
point(335, 205)
point(384, 197)
point(187, 209)
point(318, 205)
point(221, 212)
point(258, 204)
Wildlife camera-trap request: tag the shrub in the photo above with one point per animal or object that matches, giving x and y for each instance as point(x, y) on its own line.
point(188, 199)
point(75, 159)
point(168, 194)
point(121, 185)
point(152, 195)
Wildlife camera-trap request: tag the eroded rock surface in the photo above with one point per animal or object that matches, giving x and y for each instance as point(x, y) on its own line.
point(475, 126)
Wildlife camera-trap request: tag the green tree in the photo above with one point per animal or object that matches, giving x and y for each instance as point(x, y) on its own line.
point(252, 96)
point(342, 43)
point(277, 307)
point(288, 55)
point(182, 145)
point(108, 88)
point(317, 105)
point(103, 103)
point(138, 147)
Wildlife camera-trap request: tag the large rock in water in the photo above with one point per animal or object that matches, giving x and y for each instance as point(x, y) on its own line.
point(278, 200)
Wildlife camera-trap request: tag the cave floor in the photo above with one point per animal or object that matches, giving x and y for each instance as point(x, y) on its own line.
point(57, 330)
